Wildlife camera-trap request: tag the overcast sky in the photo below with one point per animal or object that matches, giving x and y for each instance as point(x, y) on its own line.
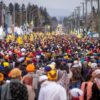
point(54, 7)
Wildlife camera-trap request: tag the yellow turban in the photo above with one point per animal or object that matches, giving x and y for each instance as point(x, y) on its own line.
point(66, 57)
point(6, 64)
point(52, 75)
point(27, 59)
point(51, 66)
point(15, 73)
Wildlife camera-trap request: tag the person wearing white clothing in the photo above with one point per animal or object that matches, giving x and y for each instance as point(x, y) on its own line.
point(50, 90)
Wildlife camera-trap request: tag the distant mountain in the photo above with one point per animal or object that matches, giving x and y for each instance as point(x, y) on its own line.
point(59, 13)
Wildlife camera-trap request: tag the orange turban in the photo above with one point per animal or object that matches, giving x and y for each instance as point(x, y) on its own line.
point(30, 68)
point(14, 73)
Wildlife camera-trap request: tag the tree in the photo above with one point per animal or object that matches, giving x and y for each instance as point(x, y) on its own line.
point(54, 23)
point(36, 16)
point(17, 14)
point(17, 7)
point(29, 12)
point(46, 16)
point(11, 7)
point(23, 8)
point(23, 13)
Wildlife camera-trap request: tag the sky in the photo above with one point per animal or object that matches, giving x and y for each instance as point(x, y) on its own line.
point(54, 7)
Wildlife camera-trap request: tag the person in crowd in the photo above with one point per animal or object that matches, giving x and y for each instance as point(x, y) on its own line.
point(77, 76)
point(65, 75)
point(96, 85)
point(31, 79)
point(1, 82)
point(31, 92)
point(73, 59)
point(76, 93)
point(14, 90)
point(86, 87)
point(50, 90)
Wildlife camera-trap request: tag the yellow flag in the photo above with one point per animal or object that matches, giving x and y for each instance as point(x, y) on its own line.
point(31, 37)
point(12, 37)
point(19, 40)
point(7, 39)
point(79, 36)
point(25, 37)
point(40, 33)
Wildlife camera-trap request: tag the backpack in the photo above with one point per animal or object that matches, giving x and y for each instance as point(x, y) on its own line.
point(85, 91)
point(28, 80)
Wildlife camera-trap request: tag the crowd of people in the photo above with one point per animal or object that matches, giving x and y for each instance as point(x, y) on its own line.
point(49, 67)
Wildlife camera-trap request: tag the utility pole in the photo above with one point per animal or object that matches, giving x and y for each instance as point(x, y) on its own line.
point(78, 10)
point(26, 15)
point(2, 13)
point(91, 4)
point(20, 17)
point(98, 1)
point(86, 14)
point(83, 9)
point(83, 14)
point(75, 19)
point(92, 8)
point(14, 15)
point(98, 17)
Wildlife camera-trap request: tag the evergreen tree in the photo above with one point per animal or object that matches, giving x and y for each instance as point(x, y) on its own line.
point(11, 7)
